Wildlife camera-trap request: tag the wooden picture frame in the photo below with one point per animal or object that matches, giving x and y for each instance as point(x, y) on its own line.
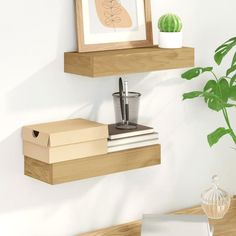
point(116, 26)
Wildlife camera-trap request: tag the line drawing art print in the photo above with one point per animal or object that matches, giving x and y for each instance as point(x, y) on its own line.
point(113, 24)
point(112, 14)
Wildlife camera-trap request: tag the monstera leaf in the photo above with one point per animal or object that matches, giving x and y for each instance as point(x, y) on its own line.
point(224, 89)
point(192, 95)
point(232, 93)
point(232, 80)
point(195, 72)
point(215, 136)
point(216, 94)
point(233, 66)
point(223, 50)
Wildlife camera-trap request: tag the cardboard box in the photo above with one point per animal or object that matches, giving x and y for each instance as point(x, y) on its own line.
point(64, 140)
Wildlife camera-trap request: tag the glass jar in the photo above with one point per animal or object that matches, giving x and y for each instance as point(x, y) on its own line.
point(215, 201)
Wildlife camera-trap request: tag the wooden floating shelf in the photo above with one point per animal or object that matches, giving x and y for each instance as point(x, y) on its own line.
point(83, 168)
point(125, 61)
point(224, 227)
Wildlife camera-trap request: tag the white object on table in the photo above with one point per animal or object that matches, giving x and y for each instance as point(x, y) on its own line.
point(176, 225)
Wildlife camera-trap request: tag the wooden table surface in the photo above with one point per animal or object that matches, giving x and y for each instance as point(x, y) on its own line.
point(224, 227)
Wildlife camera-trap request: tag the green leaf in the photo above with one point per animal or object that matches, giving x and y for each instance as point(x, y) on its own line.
point(216, 94)
point(234, 60)
point(233, 66)
point(230, 105)
point(210, 85)
point(232, 80)
point(195, 72)
point(230, 70)
point(215, 136)
point(233, 93)
point(211, 95)
point(207, 69)
point(191, 95)
point(214, 101)
point(224, 89)
point(207, 95)
point(223, 50)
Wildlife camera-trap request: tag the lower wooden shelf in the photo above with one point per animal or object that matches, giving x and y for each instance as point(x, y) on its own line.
point(83, 168)
point(224, 227)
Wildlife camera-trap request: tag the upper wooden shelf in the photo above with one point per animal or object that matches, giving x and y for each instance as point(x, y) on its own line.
point(125, 61)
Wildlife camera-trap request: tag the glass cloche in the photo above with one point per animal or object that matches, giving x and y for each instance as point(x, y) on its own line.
point(215, 201)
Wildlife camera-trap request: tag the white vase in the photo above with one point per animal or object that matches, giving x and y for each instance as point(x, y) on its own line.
point(170, 40)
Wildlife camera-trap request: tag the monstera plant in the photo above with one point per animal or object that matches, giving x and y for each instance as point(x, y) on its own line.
point(219, 92)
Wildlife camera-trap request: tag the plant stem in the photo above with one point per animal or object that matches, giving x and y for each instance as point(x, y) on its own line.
point(215, 76)
point(224, 110)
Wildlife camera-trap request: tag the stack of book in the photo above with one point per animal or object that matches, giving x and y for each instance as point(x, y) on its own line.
point(176, 225)
point(126, 139)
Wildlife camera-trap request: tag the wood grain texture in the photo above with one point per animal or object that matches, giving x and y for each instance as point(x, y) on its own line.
point(127, 61)
point(83, 47)
point(224, 227)
point(66, 171)
point(38, 170)
point(129, 229)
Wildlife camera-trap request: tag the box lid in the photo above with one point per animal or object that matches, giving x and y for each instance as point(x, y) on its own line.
point(64, 132)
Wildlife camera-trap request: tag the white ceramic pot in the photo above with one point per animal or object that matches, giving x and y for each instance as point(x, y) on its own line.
point(170, 39)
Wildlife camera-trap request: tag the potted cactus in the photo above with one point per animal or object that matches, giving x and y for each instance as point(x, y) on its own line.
point(170, 35)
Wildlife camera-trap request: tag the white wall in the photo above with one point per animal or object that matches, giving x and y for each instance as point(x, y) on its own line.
point(34, 36)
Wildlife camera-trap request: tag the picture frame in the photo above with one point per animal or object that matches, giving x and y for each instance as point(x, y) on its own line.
point(113, 24)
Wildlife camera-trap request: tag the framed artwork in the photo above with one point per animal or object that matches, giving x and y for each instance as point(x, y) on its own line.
point(113, 24)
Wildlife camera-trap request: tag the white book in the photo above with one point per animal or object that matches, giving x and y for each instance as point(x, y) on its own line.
point(175, 225)
point(134, 139)
point(132, 145)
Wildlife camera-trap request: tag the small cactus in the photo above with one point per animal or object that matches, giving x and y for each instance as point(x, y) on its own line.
point(170, 23)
